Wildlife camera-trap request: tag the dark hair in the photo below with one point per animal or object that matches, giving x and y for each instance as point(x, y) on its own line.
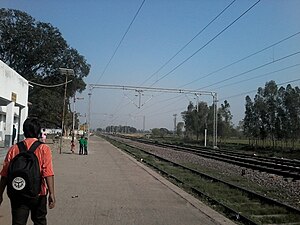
point(32, 128)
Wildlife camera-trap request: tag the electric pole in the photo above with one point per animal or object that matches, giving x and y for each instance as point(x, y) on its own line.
point(175, 115)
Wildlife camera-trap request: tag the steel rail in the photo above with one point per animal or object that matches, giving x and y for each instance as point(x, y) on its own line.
point(249, 193)
point(270, 167)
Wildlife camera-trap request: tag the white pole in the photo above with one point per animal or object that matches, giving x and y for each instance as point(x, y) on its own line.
point(73, 122)
point(205, 136)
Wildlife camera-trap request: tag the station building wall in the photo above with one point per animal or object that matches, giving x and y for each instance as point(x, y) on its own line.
point(13, 104)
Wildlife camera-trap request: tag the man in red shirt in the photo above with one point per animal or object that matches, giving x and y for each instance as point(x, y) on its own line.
point(20, 208)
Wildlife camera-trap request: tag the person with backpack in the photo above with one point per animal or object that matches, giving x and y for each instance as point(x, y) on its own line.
point(28, 175)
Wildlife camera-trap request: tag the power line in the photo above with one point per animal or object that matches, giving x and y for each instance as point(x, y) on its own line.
point(244, 58)
point(211, 40)
point(182, 48)
point(259, 76)
point(240, 60)
point(114, 53)
point(49, 86)
point(249, 92)
point(169, 111)
point(251, 70)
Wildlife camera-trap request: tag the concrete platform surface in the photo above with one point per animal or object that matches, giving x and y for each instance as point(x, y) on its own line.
point(109, 187)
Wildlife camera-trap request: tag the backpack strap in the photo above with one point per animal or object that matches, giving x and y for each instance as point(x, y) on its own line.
point(33, 147)
point(21, 146)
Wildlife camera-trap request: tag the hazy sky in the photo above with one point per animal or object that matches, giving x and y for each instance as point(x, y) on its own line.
point(162, 28)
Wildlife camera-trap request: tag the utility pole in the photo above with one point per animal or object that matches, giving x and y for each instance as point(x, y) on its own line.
point(89, 114)
point(175, 115)
point(215, 133)
point(73, 119)
point(144, 123)
point(197, 98)
point(74, 113)
point(66, 72)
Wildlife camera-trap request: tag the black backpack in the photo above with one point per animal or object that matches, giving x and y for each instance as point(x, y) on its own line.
point(24, 175)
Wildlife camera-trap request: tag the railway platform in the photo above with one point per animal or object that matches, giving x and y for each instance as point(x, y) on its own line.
point(109, 187)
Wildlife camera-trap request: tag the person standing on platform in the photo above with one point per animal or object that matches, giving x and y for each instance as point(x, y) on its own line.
point(44, 135)
point(72, 146)
point(22, 206)
point(14, 133)
point(81, 145)
point(85, 146)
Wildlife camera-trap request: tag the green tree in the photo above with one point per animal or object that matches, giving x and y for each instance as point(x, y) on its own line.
point(250, 122)
point(260, 114)
point(37, 50)
point(188, 120)
point(270, 99)
point(160, 132)
point(281, 128)
point(198, 119)
point(274, 114)
point(224, 120)
point(155, 132)
point(202, 115)
point(179, 128)
point(292, 105)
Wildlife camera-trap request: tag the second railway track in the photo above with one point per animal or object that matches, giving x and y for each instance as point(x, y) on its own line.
point(238, 203)
point(281, 167)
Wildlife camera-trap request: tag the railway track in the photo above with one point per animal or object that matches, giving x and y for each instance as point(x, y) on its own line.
point(237, 203)
point(282, 167)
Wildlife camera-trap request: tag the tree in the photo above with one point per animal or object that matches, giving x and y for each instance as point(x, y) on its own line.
point(281, 128)
point(270, 99)
point(37, 50)
point(202, 115)
point(292, 105)
point(155, 132)
point(160, 132)
point(188, 119)
point(198, 119)
point(274, 114)
point(260, 114)
point(224, 120)
point(179, 128)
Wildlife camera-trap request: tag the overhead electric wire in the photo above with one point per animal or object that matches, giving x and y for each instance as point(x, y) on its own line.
point(182, 48)
point(244, 58)
point(50, 86)
point(249, 92)
point(114, 53)
point(172, 110)
point(259, 76)
point(211, 40)
point(202, 46)
point(251, 70)
point(235, 62)
point(149, 106)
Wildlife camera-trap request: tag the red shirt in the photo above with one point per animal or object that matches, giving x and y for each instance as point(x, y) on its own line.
point(43, 153)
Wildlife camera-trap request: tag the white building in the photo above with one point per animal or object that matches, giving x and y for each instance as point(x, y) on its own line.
point(13, 104)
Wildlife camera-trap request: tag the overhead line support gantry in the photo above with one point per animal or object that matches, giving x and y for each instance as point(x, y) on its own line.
point(140, 90)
